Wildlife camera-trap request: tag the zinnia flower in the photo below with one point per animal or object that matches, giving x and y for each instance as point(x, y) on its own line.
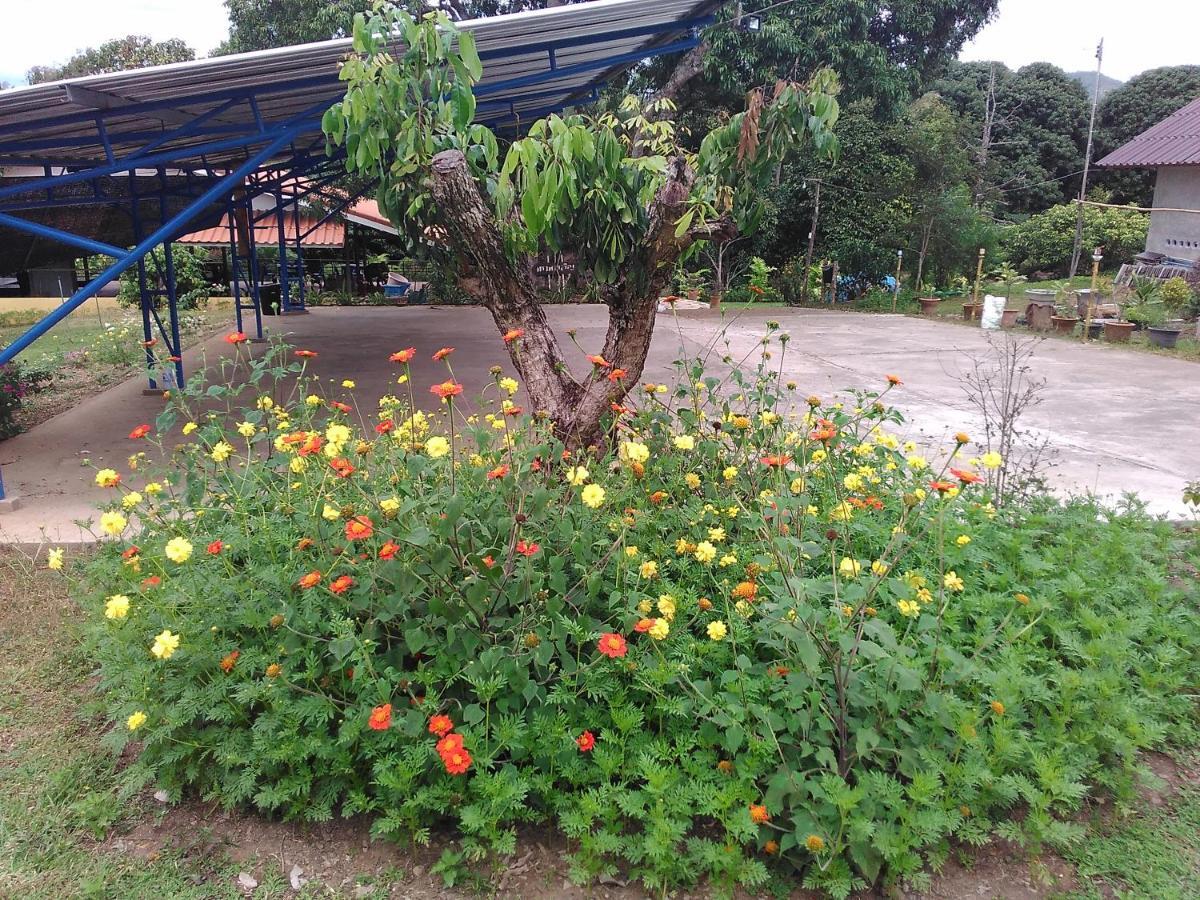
point(894, 380)
point(612, 645)
point(449, 744)
point(599, 362)
point(389, 550)
point(514, 334)
point(497, 473)
point(312, 579)
point(140, 432)
point(586, 741)
point(456, 761)
point(447, 389)
point(306, 354)
point(442, 354)
point(342, 466)
point(403, 356)
point(991, 460)
point(359, 528)
point(341, 584)
point(236, 337)
point(380, 718)
point(966, 477)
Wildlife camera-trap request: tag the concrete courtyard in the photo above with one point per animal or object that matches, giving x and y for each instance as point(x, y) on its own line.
point(1116, 420)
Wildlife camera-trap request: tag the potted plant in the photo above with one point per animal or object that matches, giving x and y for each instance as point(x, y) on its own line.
point(1064, 322)
point(929, 305)
point(1117, 331)
point(1175, 294)
point(1008, 277)
point(690, 284)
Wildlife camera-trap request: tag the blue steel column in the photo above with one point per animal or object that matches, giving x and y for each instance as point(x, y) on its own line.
point(234, 269)
point(255, 279)
point(172, 290)
point(299, 248)
point(144, 300)
point(285, 304)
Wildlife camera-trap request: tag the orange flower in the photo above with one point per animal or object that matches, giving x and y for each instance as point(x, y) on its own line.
point(704, 603)
point(612, 645)
point(451, 743)
point(725, 767)
point(586, 741)
point(312, 579)
point(447, 389)
point(755, 289)
point(776, 461)
point(513, 410)
point(643, 625)
point(150, 343)
point(942, 486)
point(140, 432)
point(381, 717)
point(306, 354)
point(312, 444)
point(514, 334)
point(131, 552)
point(824, 433)
point(215, 548)
point(670, 298)
point(894, 380)
point(489, 561)
point(771, 847)
point(151, 581)
point(342, 466)
point(600, 362)
point(389, 550)
point(759, 814)
point(441, 725)
point(403, 356)
point(341, 584)
point(526, 548)
point(274, 670)
point(341, 407)
point(965, 477)
point(456, 761)
point(498, 472)
point(236, 337)
point(745, 590)
point(359, 528)
point(304, 543)
point(616, 375)
point(230, 661)
point(442, 354)
point(385, 426)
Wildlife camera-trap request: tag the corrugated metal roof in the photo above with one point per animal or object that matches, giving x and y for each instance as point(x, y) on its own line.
point(1175, 141)
point(57, 118)
point(327, 235)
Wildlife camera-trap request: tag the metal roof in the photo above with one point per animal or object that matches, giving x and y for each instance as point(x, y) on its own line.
point(312, 233)
point(1175, 141)
point(533, 62)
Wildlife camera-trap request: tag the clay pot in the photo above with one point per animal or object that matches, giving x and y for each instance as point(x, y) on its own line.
point(1117, 332)
point(693, 294)
point(1009, 318)
point(972, 311)
point(1163, 337)
point(929, 306)
point(1063, 324)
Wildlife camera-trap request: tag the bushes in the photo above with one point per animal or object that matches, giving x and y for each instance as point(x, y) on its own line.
point(192, 289)
point(1044, 241)
point(784, 644)
point(17, 381)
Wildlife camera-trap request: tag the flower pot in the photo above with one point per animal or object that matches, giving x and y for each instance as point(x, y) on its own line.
point(1094, 330)
point(1163, 337)
point(1064, 324)
point(972, 311)
point(929, 306)
point(693, 293)
point(714, 300)
point(1117, 332)
point(1009, 318)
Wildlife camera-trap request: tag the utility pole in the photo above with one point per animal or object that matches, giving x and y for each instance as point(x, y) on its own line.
point(1077, 249)
point(812, 236)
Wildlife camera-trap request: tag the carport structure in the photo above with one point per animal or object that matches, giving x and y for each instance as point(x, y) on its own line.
point(180, 147)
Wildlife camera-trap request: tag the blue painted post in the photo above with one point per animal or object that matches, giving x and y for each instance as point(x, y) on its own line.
point(176, 345)
point(299, 248)
point(285, 304)
point(1, 483)
point(255, 278)
point(234, 269)
point(143, 295)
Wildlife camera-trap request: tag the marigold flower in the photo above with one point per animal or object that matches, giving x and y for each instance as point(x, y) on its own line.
point(952, 581)
point(660, 629)
point(513, 334)
point(910, 609)
point(165, 645)
point(236, 337)
point(380, 718)
point(441, 725)
point(745, 590)
point(403, 356)
point(725, 766)
point(229, 661)
point(312, 579)
point(849, 568)
point(140, 432)
point(107, 478)
point(643, 625)
point(771, 847)
point(274, 670)
point(178, 550)
point(54, 559)
point(705, 552)
point(456, 761)
point(592, 496)
point(586, 741)
point(704, 603)
point(759, 814)
point(221, 451)
point(437, 447)
point(341, 584)
point(135, 721)
point(997, 707)
point(389, 550)
point(1023, 599)
point(116, 607)
point(359, 528)
point(717, 631)
point(648, 569)
point(815, 843)
point(658, 497)
point(612, 645)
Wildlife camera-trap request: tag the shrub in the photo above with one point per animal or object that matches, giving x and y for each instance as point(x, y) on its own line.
point(191, 287)
point(1176, 294)
point(741, 640)
point(17, 381)
point(1044, 241)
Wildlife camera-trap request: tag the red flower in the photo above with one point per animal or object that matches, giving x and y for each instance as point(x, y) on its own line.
point(670, 298)
point(131, 552)
point(616, 375)
point(586, 741)
point(643, 625)
point(441, 725)
point(389, 550)
point(447, 389)
point(342, 466)
point(776, 461)
point(894, 380)
point(359, 528)
point(513, 410)
point(140, 432)
point(619, 409)
point(456, 761)
point(215, 548)
point(498, 472)
point(341, 407)
point(489, 561)
point(381, 717)
point(600, 362)
point(526, 548)
point(442, 354)
point(514, 335)
point(341, 584)
point(942, 486)
point(612, 645)
point(150, 343)
point(449, 744)
point(152, 581)
point(403, 356)
point(306, 354)
point(230, 661)
point(236, 337)
point(965, 477)
point(385, 426)
point(312, 444)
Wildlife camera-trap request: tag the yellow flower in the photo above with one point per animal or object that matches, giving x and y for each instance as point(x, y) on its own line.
point(717, 631)
point(644, 607)
point(577, 475)
point(312, 400)
point(849, 568)
point(684, 442)
point(190, 427)
point(991, 460)
point(962, 540)
point(165, 645)
point(692, 480)
point(815, 843)
point(178, 550)
point(914, 580)
point(221, 451)
point(403, 379)
point(727, 560)
point(592, 496)
point(716, 535)
point(437, 447)
point(331, 513)
point(769, 418)
point(909, 608)
point(510, 385)
point(843, 512)
point(112, 523)
point(107, 478)
point(631, 551)
point(265, 402)
point(130, 500)
point(853, 482)
point(705, 552)
point(297, 464)
point(847, 610)
point(952, 581)
point(154, 488)
point(729, 473)
point(648, 569)
point(136, 721)
point(917, 463)
point(879, 567)
point(246, 429)
point(666, 606)
point(116, 607)
point(634, 452)
point(660, 629)
point(997, 707)
point(348, 384)
point(54, 559)
point(797, 486)
point(338, 434)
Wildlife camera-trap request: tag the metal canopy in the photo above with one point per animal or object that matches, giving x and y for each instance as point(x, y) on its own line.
point(212, 134)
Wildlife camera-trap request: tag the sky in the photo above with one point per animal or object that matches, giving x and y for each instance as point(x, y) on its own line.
point(1136, 36)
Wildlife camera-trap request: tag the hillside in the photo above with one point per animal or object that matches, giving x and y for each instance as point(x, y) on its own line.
point(1088, 80)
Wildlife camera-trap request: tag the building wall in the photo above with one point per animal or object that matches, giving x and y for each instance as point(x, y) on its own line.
point(1176, 234)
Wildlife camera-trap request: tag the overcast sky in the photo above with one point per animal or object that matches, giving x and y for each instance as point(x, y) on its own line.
point(1137, 36)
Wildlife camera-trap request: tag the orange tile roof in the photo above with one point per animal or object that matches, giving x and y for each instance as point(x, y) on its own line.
point(266, 232)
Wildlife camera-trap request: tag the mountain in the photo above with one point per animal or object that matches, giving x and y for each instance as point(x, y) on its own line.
point(1088, 80)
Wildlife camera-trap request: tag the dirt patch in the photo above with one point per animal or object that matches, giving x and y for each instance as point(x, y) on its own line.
point(1000, 871)
point(1168, 777)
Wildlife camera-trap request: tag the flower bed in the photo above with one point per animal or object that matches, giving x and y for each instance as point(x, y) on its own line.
point(746, 641)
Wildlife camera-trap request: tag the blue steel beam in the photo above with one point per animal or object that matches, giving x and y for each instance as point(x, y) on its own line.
point(63, 237)
point(160, 234)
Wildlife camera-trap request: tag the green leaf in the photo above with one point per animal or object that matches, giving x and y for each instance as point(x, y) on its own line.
point(470, 56)
point(684, 223)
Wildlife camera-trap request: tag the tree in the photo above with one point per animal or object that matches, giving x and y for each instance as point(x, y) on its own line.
point(1129, 110)
point(131, 52)
point(1045, 241)
point(593, 186)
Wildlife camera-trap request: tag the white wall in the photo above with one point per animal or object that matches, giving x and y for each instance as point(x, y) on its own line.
point(1176, 234)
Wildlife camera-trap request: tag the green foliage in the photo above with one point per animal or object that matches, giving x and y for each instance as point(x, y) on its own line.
point(1044, 241)
point(1176, 294)
point(131, 52)
point(192, 290)
point(17, 381)
point(807, 618)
